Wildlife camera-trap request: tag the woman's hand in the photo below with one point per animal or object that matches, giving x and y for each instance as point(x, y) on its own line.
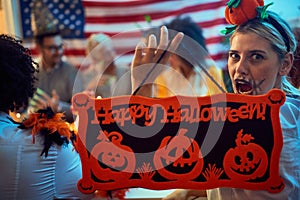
point(149, 61)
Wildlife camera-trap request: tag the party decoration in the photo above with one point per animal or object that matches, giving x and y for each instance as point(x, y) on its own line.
point(247, 160)
point(42, 17)
point(178, 157)
point(51, 126)
point(238, 12)
point(224, 140)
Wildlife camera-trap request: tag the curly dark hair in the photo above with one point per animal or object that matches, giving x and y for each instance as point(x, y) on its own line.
point(193, 39)
point(186, 25)
point(17, 74)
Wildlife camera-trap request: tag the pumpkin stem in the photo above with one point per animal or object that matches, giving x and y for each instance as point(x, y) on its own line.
point(115, 136)
point(262, 11)
point(238, 140)
point(243, 139)
point(233, 3)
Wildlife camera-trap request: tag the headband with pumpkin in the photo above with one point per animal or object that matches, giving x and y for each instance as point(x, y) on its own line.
point(238, 12)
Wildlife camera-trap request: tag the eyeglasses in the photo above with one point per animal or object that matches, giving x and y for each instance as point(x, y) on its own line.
point(54, 48)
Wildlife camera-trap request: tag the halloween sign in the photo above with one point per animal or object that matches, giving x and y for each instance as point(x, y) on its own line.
point(225, 140)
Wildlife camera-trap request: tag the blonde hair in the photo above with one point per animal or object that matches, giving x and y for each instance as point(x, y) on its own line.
point(97, 39)
point(282, 41)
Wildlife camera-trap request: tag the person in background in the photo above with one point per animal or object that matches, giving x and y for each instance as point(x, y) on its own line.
point(104, 76)
point(28, 170)
point(56, 77)
point(184, 73)
point(260, 57)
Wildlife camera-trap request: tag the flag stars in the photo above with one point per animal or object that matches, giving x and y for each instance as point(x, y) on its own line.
point(61, 6)
point(26, 10)
point(78, 22)
point(78, 11)
point(55, 11)
point(61, 16)
point(68, 14)
point(72, 17)
point(28, 33)
point(27, 21)
point(66, 21)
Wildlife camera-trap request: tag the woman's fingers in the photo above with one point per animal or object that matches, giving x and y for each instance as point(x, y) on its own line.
point(148, 62)
point(164, 38)
point(152, 53)
point(138, 54)
point(150, 50)
point(164, 46)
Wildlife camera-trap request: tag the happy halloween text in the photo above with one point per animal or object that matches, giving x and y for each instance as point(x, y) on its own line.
point(189, 114)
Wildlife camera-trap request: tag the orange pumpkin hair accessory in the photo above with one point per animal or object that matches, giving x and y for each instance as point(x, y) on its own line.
point(238, 12)
point(52, 126)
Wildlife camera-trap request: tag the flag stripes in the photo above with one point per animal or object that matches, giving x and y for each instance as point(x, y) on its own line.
point(124, 21)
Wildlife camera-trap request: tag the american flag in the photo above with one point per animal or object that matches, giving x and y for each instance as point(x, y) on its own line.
point(124, 21)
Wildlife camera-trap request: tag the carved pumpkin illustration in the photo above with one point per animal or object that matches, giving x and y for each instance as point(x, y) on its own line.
point(247, 161)
point(238, 12)
point(178, 157)
point(110, 159)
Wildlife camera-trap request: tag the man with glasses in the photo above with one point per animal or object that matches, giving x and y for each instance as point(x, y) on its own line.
point(56, 77)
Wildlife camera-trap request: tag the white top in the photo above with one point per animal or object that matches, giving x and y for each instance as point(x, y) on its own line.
point(27, 175)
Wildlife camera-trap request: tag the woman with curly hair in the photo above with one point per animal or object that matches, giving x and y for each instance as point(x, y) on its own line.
point(34, 165)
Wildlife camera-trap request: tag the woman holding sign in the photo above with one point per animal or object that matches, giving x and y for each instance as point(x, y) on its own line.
point(260, 57)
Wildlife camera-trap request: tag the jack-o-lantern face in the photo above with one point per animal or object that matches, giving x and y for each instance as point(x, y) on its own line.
point(110, 159)
point(246, 161)
point(115, 160)
point(179, 157)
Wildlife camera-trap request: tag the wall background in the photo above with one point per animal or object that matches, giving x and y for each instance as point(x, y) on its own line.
point(288, 9)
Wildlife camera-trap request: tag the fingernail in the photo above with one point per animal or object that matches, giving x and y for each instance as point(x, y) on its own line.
point(151, 36)
point(181, 34)
point(164, 28)
point(140, 45)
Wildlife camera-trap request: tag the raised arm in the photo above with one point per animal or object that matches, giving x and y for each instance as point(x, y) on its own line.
point(149, 61)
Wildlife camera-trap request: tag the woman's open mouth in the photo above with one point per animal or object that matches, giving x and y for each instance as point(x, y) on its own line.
point(243, 87)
